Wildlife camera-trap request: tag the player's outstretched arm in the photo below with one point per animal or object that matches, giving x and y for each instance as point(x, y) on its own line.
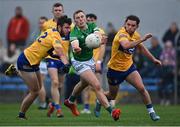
point(146, 52)
point(61, 55)
point(127, 45)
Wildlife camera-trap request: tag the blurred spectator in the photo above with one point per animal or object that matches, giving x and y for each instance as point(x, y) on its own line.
point(139, 60)
point(168, 58)
point(18, 29)
point(171, 33)
point(156, 51)
point(37, 32)
point(111, 32)
point(2, 52)
point(10, 57)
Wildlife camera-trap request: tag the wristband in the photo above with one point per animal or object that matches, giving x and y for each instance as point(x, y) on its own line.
point(99, 62)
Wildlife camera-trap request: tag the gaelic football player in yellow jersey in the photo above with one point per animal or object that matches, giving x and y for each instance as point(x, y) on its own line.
point(53, 65)
point(121, 67)
point(58, 11)
point(98, 55)
point(28, 62)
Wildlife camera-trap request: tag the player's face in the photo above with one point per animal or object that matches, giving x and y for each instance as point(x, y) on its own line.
point(41, 22)
point(66, 29)
point(80, 19)
point(91, 20)
point(58, 12)
point(131, 26)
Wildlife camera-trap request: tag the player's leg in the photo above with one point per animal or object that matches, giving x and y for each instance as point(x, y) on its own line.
point(86, 97)
point(53, 72)
point(59, 112)
point(135, 79)
point(42, 94)
point(32, 81)
point(70, 102)
point(114, 79)
point(89, 77)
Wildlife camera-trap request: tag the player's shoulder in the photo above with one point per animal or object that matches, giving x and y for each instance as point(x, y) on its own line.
point(122, 32)
point(137, 34)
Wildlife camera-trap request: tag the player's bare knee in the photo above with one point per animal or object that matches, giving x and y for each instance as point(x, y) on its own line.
point(97, 87)
point(35, 91)
point(55, 84)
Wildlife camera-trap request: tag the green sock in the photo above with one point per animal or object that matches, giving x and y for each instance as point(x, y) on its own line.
point(109, 109)
point(72, 98)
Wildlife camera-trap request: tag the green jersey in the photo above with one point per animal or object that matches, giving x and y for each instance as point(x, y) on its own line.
point(80, 35)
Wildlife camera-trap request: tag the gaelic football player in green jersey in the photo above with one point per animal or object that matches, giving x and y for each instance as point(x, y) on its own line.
point(84, 64)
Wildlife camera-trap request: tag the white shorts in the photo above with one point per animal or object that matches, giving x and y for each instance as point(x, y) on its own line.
point(81, 66)
point(43, 68)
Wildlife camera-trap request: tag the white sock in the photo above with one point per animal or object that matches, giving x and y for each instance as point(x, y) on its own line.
point(150, 110)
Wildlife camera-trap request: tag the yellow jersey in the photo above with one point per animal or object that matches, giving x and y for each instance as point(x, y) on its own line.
point(121, 59)
point(43, 46)
point(97, 50)
point(51, 23)
point(65, 47)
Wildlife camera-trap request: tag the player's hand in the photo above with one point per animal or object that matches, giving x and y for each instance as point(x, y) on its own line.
point(157, 62)
point(104, 39)
point(66, 68)
point(147, 36)
point(77, 49)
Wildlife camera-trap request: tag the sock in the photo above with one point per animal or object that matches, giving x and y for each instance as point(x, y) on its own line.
point(57, 106)
point(43, 104)
point(98, 101)
point(21, 114)
point(86, 106)
point(150, 108)
point(71, 99)
point(109, 109)
point(53, 104)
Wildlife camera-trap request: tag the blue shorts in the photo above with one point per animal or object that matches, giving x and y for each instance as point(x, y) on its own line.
point(117, 77)
point(51, 63)
point(24, 65)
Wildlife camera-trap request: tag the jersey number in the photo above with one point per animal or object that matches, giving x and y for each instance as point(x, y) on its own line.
point(43, 36)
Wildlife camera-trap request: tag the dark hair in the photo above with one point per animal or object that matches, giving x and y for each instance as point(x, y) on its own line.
point(91, 15)
point(64, 19)
point(134, 18)
point(76, 12)
point(44, 17)
point(19, 8)
point(57, 5)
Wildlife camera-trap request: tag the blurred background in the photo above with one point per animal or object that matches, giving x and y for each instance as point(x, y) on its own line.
point(161, 18)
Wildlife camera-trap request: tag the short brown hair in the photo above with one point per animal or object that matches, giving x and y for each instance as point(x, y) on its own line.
point(76, 12)
point(57, 5)
point(134, 18)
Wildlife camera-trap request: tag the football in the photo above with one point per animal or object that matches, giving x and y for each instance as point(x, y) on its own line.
point(93, 41)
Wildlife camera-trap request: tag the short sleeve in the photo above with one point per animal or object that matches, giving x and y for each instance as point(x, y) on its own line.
point(123, 37)
point(56, 40)
point(73, 35)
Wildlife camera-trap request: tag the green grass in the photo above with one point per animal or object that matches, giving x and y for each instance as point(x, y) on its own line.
point(131, 115)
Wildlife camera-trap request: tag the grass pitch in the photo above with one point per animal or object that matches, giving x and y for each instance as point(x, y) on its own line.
point(132, 115)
